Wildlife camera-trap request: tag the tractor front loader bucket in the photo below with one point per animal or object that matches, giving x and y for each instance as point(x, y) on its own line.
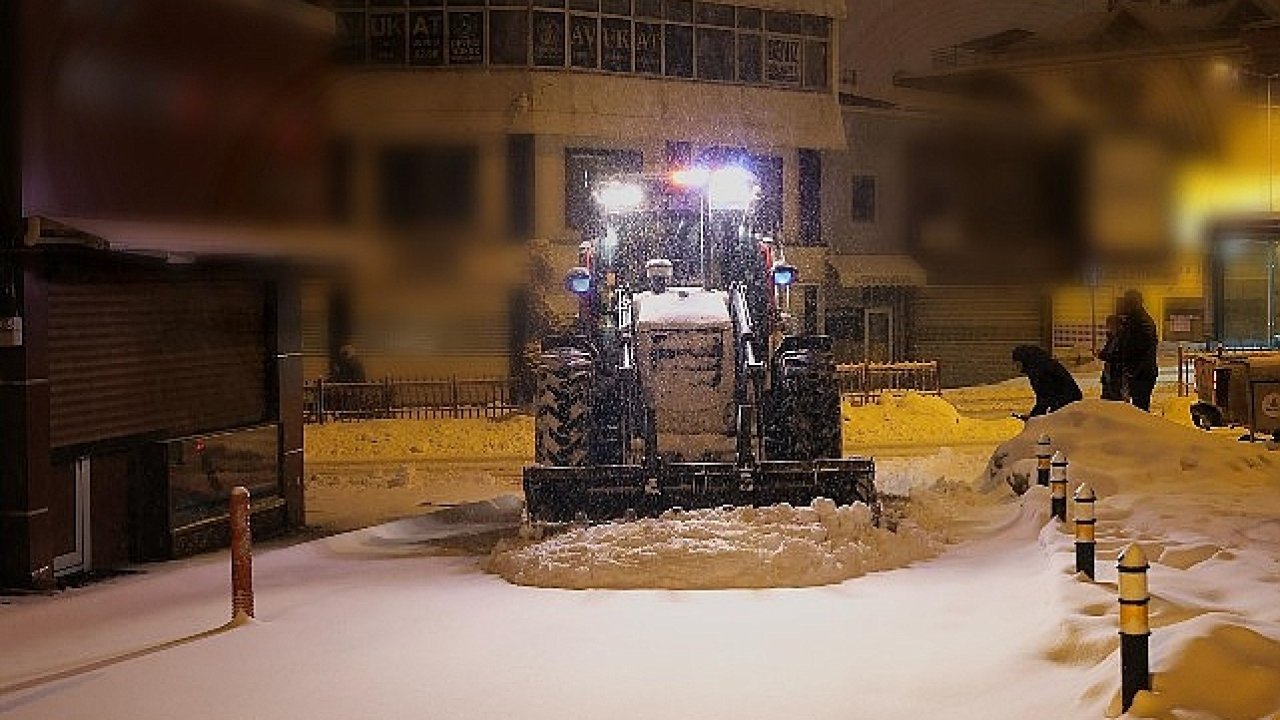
point(607, 492)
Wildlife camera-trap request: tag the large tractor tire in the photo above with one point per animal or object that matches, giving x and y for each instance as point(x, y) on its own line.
point(563, 421)
point(805, 420)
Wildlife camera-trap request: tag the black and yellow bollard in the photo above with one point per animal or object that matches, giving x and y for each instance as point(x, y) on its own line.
point(1043, 452)
point(1085, 521)
point(1135, 626)
point(1058, 486)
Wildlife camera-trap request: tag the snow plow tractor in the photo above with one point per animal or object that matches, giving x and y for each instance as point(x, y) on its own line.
point(679, 387)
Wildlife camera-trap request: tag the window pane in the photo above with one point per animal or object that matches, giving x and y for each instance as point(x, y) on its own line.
point(749, 58)
point(349, 28)
point(782, 61)
point(749, 18)
point(616, 7)
point(548, 39)
point(680, 10)
point(715, 54)
point(422, 185)
point(815, 26)
point(466, 38)
point(678, 50)
point(649, 8)
point(712, 14)
point(615, 45)
point(584, 42)
point(815, 64)
point(426, 3)
point(386, 3)
point(386, 38)
point(508, 37)
point(348, 4)
point(508, 3)
point(585, 5)
point(548, 3)
point(426, 37)
point(782, 22)
point(648, 41)
point(864, 198)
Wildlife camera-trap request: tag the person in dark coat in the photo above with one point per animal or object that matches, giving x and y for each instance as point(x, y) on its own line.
point(1138, 345)
point(1053, 385)
point(1112, 373)
point(347, 368)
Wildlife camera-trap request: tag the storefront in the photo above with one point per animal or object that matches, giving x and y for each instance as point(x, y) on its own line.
point(1242, 279)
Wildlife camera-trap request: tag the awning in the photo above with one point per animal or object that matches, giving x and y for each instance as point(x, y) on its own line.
point(878, 270)
point(180, 242)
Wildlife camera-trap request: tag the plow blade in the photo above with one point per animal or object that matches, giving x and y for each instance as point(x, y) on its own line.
point(607, 492)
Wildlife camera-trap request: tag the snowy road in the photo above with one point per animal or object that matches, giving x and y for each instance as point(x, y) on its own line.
point(344, 637)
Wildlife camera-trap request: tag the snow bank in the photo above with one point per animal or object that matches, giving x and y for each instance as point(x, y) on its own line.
point(434, 439)
point(731, 547)
point(1204, 507)
point(914, 419)
point(1114, 445)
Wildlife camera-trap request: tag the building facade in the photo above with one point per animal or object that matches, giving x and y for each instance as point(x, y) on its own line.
point(470, 135)
point(150, 357)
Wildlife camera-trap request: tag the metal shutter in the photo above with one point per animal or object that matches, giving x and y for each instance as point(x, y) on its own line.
point(971, 330)
point(156, 356)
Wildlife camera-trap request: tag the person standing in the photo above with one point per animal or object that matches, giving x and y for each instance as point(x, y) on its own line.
point(1053, 385)
point(1112, 374)
point(1138, 344)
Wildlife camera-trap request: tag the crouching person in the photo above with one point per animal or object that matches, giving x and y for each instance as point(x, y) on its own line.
point(1053, 385)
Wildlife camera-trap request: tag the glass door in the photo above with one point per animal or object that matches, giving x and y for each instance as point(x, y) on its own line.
point(878, 340)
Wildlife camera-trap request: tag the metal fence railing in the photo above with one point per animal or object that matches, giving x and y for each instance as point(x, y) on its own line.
point(417, 399)
point(862, 383)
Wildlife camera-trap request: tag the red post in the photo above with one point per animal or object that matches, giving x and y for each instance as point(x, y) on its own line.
point(241, 555)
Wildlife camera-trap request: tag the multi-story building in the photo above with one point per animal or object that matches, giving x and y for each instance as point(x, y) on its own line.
point(470, 133)
point(1159, 105)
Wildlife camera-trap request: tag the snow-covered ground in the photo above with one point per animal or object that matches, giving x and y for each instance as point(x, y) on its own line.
point(987, 620)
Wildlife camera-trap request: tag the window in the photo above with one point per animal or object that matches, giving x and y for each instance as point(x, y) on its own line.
point(426, 38)
point(508, 37)
point(864, 198)
point(386, 38)
point(648, 41)
point(584, 41)
point(715, 54)
point(427, 185)
point(711, 41)
point(548, 39)
point(809, 177)
point(583, 168)
point(678, 50)
point(466, 38)
point(615, 45)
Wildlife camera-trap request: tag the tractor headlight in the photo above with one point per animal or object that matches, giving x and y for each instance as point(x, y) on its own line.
point(617, 196)
point(578, 281)
point(784, 274)
point(731, 187)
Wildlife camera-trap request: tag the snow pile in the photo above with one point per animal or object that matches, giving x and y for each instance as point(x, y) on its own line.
point(915, 419)
point(729, 547)
point(1205, 510)
point(1114, 445)
point(434, 439)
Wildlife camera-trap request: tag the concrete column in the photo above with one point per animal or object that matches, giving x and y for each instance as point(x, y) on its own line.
point(286, 337)
point(26, 547)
